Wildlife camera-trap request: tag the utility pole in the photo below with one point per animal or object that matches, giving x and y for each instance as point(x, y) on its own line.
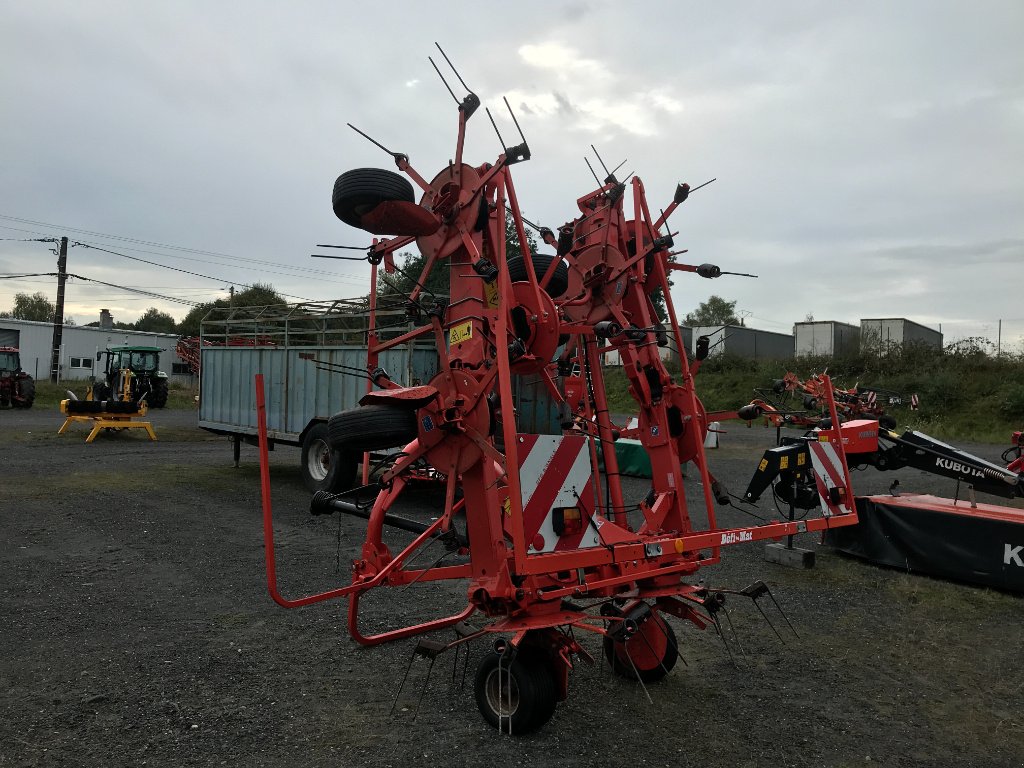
point(231, 296)
point(999, 339)
point(58, 315)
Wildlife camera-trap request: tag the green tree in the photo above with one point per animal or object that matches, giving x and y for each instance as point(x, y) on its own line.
point(258, 295)
point(410, 266)
point(714, 311)
point(512, 248)
point(155, 321)
point(35, 307)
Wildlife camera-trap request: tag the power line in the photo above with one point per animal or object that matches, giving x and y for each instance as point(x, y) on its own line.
point(154, 244)
point(178, 269)
point(137, 290)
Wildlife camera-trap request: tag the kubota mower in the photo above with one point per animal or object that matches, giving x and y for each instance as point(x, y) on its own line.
point(957, 538)
point(550, 547)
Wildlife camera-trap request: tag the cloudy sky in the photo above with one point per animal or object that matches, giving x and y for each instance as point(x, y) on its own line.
point(868, 156)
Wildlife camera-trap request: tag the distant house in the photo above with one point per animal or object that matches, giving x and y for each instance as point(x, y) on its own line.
point(79, 345)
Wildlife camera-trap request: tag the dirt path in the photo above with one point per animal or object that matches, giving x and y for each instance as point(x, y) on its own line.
point(136, 629)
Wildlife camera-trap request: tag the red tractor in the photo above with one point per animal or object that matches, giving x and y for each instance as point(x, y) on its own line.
point(17, 388)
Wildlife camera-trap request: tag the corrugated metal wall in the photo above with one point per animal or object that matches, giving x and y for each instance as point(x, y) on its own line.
point(297, 391)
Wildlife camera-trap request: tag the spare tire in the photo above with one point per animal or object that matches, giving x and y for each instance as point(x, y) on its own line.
point(371, 428)
point(557, 285)
point(359, 191)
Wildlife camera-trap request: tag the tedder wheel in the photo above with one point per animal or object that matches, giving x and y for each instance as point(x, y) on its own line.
point(516, 697)
point(371, 428)
point(323, 468)
point(28, 393)
point(648, 655)
point(557, 285)
point(1012, 454)
point(359, 191)
point(158, 393)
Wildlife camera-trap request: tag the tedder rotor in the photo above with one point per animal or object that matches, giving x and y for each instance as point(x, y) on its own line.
point(550, 545)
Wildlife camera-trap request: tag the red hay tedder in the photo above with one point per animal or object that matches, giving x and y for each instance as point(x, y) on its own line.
point(549, 543)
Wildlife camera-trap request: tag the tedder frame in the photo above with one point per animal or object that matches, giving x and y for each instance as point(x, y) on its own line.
point(546, 541)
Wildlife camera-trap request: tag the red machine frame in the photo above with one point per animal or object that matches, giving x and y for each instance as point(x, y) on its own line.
point(493, 329)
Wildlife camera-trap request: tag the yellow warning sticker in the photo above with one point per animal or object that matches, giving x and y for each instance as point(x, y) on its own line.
point(491, 294)
point(763, 465)
point(460, 333)
point(784, 462)
point(507, 507)
point(801, 459)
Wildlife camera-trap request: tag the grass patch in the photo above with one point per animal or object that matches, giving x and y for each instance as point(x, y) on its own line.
point(964, 394)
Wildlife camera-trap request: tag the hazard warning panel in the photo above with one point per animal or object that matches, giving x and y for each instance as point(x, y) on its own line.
point(828, 474)
point(558, 492)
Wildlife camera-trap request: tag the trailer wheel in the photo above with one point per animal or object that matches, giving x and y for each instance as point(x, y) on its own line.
point(359, 191)
point(648, 655)
point(323, 468)
point(516, 697)
point(371, 428)
point(557, 285)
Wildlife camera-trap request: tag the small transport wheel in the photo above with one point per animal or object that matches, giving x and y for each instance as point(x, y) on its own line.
point(323, 468)
point(1011, 454)
point(648, 655)
point(557, 285)
point(359, 191)
point(371, 428)
point(516, 697)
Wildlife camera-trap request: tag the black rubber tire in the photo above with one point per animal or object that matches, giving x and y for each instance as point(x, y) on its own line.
point(359, 191)
point(527, 692)
point(158, 393)
point(371, 428)
point(557, 285)
point(323, 467)
point(651, 674)
point(1011, 454)
point(27, 390)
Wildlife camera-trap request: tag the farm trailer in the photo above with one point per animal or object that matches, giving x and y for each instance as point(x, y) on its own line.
point(314, 359)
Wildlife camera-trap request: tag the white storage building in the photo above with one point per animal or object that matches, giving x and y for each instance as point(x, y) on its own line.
point(891, 331)
point(825, 338)
point(741, 341)
point(79, 345)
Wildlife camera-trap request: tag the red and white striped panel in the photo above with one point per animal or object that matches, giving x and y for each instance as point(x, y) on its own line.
point(828, 473)
point(555, 472)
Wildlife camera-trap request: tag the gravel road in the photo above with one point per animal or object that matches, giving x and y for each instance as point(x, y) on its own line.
point(136, 629)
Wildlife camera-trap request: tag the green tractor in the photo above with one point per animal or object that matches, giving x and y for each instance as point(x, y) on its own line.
point(132, 373)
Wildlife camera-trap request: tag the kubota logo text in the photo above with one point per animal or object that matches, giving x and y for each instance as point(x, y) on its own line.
point(1011, 555)
point(956, 466)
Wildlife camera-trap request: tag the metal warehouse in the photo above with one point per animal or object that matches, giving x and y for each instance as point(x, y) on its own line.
point(898, 331)
point(741, 341)
point(79, 345)
point(825, 338)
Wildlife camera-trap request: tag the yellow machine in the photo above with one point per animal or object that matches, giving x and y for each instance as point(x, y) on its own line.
point(108, 414)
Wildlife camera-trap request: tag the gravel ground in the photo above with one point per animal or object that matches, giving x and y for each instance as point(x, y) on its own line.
point(136, 629)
